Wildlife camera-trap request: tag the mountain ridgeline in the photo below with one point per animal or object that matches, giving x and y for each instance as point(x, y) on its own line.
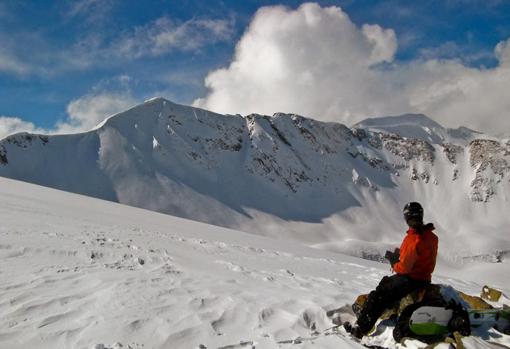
point(285, 175)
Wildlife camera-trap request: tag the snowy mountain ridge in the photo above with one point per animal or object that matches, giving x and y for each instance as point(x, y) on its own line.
point(285, 175)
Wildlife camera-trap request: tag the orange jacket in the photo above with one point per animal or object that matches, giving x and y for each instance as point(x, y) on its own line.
point(418, 254)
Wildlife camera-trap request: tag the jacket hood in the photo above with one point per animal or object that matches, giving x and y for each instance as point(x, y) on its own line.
point(422, 229)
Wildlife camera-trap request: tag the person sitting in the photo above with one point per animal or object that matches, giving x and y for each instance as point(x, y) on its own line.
point(413, 264)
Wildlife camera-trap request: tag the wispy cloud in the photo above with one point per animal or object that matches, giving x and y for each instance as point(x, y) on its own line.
point(156, 39)
point(17, 55)
point(165, 35)
point(453, 51)
point(91, 11)
point(95, 49)
point(11, 64)
point(183, 78)
point(483, 3)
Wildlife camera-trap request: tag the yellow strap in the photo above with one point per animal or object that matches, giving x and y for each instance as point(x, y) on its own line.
point(458, 340)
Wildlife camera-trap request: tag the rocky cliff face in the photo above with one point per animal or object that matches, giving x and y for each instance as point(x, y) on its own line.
point(490, 161)
point(233, 170)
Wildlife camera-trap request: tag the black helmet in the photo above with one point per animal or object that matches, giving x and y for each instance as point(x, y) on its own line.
point(413, 210)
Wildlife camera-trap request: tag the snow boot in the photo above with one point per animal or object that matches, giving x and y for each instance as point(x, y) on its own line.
point(355, 331)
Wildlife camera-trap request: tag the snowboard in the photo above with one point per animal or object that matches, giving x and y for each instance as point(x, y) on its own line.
point(433, 320)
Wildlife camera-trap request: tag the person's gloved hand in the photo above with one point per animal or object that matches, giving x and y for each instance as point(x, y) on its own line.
point(393, 257)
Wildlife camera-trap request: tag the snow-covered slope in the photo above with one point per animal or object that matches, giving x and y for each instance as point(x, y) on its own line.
point(77, 272)
point(286, 176)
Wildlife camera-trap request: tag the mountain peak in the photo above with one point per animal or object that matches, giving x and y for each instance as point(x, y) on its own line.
point(403, 119)
point(418, 126)
point(152, 109)
point(155, 100)
point(159, 101)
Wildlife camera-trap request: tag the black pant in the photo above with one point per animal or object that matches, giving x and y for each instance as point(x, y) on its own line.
point(390, 290)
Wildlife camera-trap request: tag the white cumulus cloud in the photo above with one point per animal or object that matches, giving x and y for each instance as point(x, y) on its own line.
point(316, 62)
point(384, 42)
point(83, 114)
point(88, 111)
point(106, 98)
point(503, 53)
point(10, 125)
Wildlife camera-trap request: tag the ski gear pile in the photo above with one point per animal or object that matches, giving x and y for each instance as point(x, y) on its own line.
point(432, 314)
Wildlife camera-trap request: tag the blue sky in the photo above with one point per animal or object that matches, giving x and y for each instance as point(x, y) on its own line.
point(63, 63)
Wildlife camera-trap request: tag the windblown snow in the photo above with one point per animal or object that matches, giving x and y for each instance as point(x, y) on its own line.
point(78, 272)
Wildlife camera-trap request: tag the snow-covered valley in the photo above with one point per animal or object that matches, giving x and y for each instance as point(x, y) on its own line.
point(78, 272)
